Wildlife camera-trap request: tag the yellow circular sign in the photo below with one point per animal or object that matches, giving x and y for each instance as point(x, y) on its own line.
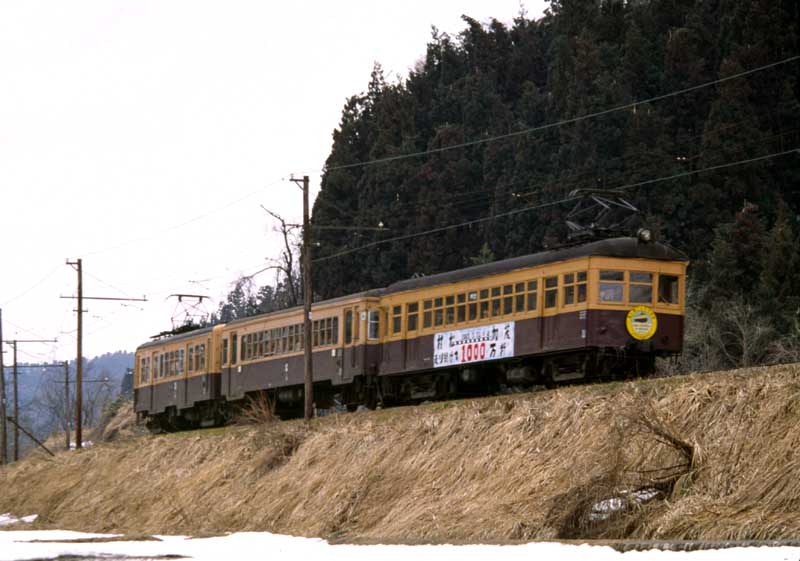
point(641, 323)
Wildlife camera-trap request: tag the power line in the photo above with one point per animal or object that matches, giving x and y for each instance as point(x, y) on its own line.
point(710, 168)
point(185, 223)
point(564, 121)
point(561, 201)
point(28, 290)
point(445, 228)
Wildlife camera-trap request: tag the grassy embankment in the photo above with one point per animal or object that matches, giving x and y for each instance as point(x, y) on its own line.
point(716, 455)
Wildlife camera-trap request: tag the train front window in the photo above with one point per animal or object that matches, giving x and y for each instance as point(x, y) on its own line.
point(668, 289)
point(612, 287)
point(641, 288)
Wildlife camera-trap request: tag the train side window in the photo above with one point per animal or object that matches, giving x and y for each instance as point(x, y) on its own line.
point(668, 289)
point(641, 288)
point(550, 292)
point(373, 327)
point(508, 299)
point(191, 360)
point(496, 301)
point(225, 351)
point(397, 319)
point(450, 310)
point(412, 311)
point(427, 314)
point(519, 297)
point(335, 330)
point(200, 356)
point(582, 291)
point(461, 308)
point(348, 327)
point(314, 334)
point(533, 289)
point(473, 311)
point(568, 282)
point(612, 287)
point(234, 348)
point(438, 312)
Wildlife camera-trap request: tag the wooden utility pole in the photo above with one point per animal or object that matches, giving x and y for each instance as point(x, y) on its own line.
point(13, 344)
point(66, 400)
point(307, 342)
point(3, 429)
point(78, 266)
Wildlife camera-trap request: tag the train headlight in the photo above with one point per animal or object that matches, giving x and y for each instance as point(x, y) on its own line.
point(645, 235)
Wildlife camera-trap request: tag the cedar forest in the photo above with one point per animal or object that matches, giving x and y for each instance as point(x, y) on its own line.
point(712, 169)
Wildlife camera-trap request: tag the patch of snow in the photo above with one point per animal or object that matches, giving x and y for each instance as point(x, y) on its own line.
point(7, 520)
point(602, 510)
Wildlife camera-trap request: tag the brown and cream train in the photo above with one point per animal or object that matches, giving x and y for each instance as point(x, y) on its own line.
point(594, 311)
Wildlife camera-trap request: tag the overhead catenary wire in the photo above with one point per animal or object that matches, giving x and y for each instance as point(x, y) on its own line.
point(562, 122)
point(553, 203)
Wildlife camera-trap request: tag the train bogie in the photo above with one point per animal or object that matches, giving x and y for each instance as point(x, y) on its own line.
point(600, 310)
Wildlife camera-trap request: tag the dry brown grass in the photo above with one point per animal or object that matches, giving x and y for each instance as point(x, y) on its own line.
point(719, 455)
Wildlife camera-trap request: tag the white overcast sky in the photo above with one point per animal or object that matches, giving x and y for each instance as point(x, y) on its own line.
point(143, 136)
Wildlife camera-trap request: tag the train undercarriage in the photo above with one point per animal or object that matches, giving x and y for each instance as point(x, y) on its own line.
point(373, 391)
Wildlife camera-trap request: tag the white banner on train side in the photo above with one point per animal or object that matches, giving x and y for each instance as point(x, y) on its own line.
point(476, 344)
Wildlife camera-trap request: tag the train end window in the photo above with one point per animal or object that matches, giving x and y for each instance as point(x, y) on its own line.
point(668, 289)
point(641, 287)
point(612, 287)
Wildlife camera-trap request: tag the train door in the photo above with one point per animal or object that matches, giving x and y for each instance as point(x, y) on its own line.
point(372, 352)
point(229, 363)
point(235, 378)
point(351, 365)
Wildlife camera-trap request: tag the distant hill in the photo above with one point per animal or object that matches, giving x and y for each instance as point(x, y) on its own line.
point(41, 391)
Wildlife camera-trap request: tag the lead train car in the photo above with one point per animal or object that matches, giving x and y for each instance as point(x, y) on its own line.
point(595, 311)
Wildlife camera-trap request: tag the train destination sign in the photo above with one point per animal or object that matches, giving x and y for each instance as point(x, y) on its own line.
point(475, 344)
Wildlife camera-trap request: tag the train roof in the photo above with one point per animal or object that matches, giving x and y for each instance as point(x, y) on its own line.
point(176, 338)
point(614, 247)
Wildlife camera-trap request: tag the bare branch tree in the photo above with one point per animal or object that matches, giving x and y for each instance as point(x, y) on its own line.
point(286, 262)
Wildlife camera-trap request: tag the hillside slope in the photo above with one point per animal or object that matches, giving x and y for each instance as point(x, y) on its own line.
point(712, 456)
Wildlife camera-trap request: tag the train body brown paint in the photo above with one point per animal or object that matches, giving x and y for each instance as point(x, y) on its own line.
point(593, 311)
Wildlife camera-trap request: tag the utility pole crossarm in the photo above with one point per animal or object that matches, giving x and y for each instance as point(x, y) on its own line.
point(143, 299)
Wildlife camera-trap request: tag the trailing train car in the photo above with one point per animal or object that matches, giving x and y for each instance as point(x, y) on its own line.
point(599, 310)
